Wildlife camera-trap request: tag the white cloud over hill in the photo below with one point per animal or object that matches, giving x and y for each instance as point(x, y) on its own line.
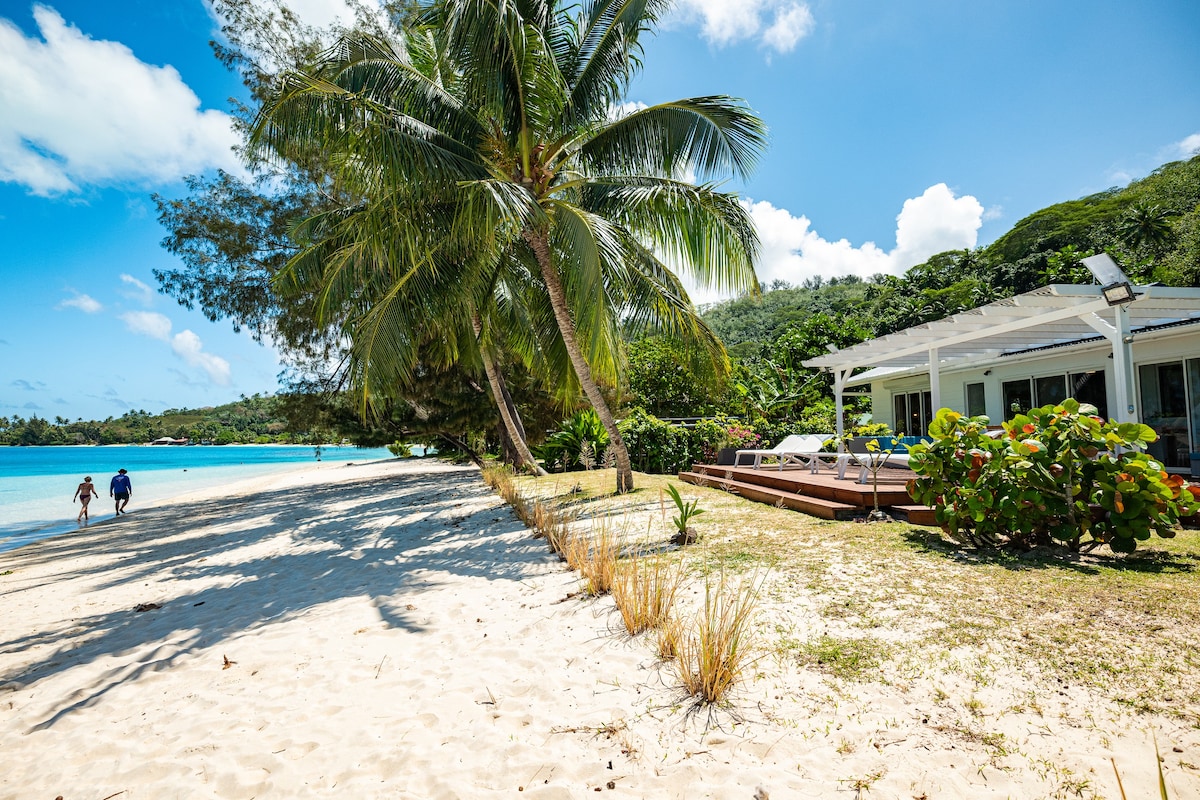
point(932, 223)
point(1188, 147)
point(777, 24)
point(793, 251)
point(79, 111)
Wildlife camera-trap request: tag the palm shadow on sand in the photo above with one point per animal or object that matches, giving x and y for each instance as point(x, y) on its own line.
point(372, 538)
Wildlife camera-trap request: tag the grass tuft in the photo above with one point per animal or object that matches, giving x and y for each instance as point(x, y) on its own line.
point(712, 658)
point(599, 563)
point(670, 631)
point(644, 591)
point(552, 523)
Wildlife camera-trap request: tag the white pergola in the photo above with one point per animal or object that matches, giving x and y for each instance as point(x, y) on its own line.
point(1053, 315)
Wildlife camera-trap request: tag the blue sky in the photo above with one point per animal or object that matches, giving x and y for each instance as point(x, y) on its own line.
point(898, 130)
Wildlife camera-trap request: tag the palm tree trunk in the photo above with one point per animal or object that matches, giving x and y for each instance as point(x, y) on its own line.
point(516, 432)
point(558, 301)
point(454, 441)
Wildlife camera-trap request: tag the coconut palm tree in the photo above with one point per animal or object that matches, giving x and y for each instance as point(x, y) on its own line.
point(1146, 226)
point(517, 131)
point(391, 327)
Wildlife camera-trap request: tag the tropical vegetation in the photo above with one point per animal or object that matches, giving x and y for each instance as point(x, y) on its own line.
point(1057, 475)
point(457, 232)
point(482, 141)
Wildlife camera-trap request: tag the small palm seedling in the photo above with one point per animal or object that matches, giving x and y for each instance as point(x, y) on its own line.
point(687, 510)
point(587, 456)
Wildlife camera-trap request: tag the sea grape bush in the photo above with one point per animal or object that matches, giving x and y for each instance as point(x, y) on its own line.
point(1059, 474)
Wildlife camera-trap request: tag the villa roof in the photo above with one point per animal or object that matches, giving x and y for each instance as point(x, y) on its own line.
point(1055, 315)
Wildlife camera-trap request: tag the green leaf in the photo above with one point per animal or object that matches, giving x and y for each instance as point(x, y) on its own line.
point(1123, 544)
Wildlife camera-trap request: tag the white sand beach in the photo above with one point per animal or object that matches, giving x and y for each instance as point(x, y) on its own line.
point(391, 630)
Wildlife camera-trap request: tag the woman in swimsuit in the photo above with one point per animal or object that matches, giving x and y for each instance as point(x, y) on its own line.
point(84, 493)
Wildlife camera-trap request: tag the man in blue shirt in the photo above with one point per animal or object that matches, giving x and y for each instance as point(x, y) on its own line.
point(120, 488)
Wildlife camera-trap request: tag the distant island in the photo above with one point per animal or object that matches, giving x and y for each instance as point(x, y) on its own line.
point(250, 420)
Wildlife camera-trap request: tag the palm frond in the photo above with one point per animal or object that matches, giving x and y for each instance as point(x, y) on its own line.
point(708, 135)
point(588, 248)
point(707, 233)
point(608, 54)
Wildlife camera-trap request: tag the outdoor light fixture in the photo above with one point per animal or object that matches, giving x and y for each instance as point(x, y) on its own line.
point(1117, 289)
point(1116, 294)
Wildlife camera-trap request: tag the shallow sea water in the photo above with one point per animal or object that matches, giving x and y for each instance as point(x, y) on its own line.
point(37, 483)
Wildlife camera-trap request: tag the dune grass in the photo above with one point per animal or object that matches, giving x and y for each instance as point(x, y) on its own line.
point(594, 556)
point(667, 637)
point(714, 650)
point(644, 590)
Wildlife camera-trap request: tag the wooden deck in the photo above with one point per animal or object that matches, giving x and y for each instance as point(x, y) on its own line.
point(821, 494)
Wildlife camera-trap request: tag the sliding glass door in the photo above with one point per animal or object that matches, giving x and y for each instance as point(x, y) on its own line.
point(1170, 395)
point(1023, 394)
point(913, 413)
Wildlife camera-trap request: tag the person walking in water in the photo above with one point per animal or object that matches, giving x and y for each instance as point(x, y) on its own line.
point(120, 490)
point(84, 493)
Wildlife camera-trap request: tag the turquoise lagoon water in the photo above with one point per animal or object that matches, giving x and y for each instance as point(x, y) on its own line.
point(36, 483)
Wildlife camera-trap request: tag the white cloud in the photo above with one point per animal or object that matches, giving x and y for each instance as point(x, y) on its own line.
point(933, 223)
point(322, 13)
point(1189, 147)
point(83, 302)
point(148, 323)
point(79, 111)
point(792, 251)
point(137, 290)
point(790, 26)
point(186, 344)
point(621, 110)
point(777, 24)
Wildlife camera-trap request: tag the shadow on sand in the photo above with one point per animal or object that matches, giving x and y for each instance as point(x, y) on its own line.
point(369, 538)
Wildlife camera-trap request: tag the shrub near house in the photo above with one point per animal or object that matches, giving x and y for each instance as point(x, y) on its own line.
point(1059, 474)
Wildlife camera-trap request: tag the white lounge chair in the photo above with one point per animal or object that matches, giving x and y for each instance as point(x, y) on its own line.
point(800, 449)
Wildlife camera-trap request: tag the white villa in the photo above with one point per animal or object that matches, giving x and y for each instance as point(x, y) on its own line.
point(1132, 351)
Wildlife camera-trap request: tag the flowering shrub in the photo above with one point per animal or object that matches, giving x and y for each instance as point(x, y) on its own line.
point(711, 435)
point(1057, 474)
